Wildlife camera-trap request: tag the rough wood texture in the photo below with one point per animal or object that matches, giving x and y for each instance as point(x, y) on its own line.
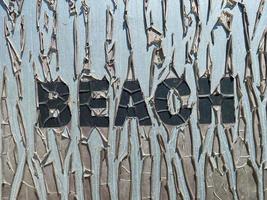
point(148, 41)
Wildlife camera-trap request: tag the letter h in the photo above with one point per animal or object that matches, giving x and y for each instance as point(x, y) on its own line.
point(225, 99)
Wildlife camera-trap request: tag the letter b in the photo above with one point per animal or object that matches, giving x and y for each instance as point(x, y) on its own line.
point(52, 102)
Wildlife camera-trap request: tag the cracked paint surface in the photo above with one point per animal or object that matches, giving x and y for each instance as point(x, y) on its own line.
point(217, 50)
